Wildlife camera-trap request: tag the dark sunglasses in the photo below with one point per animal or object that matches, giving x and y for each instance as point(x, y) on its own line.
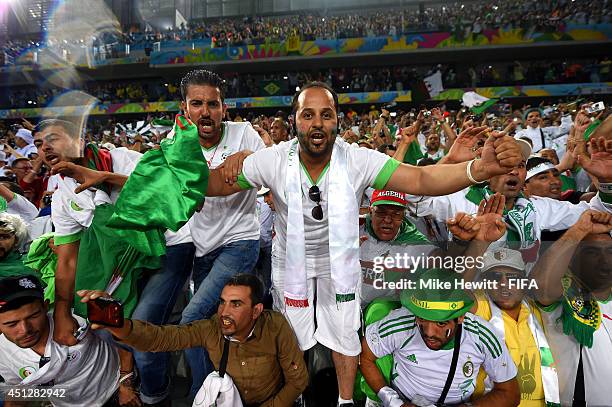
point(315, 195)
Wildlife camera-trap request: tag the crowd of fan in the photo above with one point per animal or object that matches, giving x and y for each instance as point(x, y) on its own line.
point(299, 211)
point(462, 19)
point(346, 80)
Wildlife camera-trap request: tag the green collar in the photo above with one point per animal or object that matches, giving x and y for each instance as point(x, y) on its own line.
point(320, 175)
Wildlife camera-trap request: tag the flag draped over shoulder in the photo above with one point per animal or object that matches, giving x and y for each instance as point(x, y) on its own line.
point(167, 185)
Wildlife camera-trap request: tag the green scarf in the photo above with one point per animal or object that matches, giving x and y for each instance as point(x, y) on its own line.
point(3, 204)
point(520, 220)
point(42, 259)
point(408, 233)
point(413, 154)
point(12, 265)
point(167, 185)
point(581, 315)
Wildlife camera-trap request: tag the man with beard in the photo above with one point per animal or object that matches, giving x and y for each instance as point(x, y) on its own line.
point(526, 217)
point(424, 336)
point(574, 292)
point(226, 230)
point(543, 179)
point(542, 137)
point(263, 359)
point(517, 321)
point(317, 182)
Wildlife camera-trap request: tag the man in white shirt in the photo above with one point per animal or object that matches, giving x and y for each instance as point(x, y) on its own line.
point(226, 230)
point(12, 202)
point(545, 137)
point(87, 373)
point(316, 196)
point(423, 337)
point(3, 167)
point(575, 297)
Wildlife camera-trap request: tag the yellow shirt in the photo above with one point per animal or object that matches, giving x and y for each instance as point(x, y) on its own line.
point(524, 351)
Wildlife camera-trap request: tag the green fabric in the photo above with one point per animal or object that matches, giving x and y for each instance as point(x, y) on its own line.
point(408, 233)
point(385, 173)
point(377, 310)
point(589, 130)
point(437, 304)
point(60, 240)
point(12, 265)
point(243, 183)
point(483, 106)
point(42, 259)
point(105, 250)
point(413, 154)
point(166, 187)
point(581, 315)
point(321, 175)
point(567, 183)
point(605, 198)
point(3, 204)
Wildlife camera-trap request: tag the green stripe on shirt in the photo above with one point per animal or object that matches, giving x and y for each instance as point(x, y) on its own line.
point(60, 240)
point(385, 174)
point(243, 183)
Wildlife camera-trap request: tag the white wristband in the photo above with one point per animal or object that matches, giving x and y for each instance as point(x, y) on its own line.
point(469, 173)
point(605, 188)
point(389, 397)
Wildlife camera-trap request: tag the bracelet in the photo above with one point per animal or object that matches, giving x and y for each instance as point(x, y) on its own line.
point(124, 378)
point(469, 173)
point(605, 188)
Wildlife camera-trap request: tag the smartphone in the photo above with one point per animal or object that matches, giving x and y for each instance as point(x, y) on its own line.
point(595, 107)
point(105, 311)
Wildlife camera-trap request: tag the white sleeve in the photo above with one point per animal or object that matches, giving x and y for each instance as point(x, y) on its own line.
point(557, 215)
point(22, 207)
point(441, 207)
point(369, 168)
point(7, 371)
point(596, 203)
point(388, 334)
point(498, 363)
point(260, 167)
point(252, 140)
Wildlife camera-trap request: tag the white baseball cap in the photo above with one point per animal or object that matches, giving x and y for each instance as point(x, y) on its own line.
point(503, 257)
point(262, 191)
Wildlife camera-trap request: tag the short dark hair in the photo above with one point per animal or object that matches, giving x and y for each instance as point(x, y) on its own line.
point(386, 147)
point(251, 281)
point(535, 161)
point(424, 162)
point(14, 187)
point(69, 127)
point(202, 77)
point(316, 84)
point(19, 302)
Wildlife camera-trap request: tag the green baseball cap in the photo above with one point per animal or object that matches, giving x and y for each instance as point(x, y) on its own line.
point(436, 297)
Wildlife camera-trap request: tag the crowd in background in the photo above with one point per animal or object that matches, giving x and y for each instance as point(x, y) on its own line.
point(464, 20)
point(346, 80)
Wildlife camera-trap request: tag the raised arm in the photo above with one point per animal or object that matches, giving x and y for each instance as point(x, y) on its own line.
point(499, 155)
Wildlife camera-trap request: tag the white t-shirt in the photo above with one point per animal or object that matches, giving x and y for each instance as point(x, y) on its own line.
point(596, 361)
point(269, 167)
point(72, 213)
point(90, 375)
point(550, 133)
point(227, 219)
point(422, 371)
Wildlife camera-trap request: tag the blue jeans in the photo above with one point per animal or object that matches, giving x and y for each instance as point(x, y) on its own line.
point(210, 274)
point(155, 305)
